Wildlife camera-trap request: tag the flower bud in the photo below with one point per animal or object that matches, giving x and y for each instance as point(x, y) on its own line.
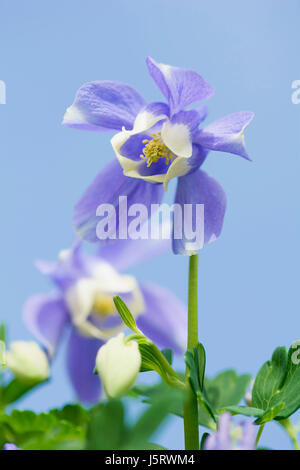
point(118, 363)
point(27, 361)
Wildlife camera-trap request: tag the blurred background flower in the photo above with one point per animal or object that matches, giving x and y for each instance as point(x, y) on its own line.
point(232, 437)
point(86, 285)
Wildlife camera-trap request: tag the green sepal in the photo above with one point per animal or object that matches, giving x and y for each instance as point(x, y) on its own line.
point(125, 314)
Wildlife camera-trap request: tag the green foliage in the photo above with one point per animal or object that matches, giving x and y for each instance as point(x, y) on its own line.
point(225, 389)
point(15, 390)
point(195, 361)
point(108, 429)
point(168, 353)
point(152, 392)
point(275, 393)
point(58, 429)
point(244, 410)
point(278, 382)
point(102, 427)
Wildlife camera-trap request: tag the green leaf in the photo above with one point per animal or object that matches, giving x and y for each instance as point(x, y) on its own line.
point(270, 414)
point(168, 353)
point(201, 356)
point(243, 410)
point(195, 361)
point(206, 406)
point(2, 346)
point(16, 390)
point(149, 391)
point(32, 431)
point(227, 388)
point(106, 428)
point(192, 363)
point(73, 413)
point(277, 382)
point(161, 405)
point(269, 379)
point(2, 332)
point(125, 314)
point(203, 439)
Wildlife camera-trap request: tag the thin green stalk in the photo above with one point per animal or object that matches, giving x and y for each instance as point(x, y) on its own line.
point(291, 431)
point(261, 428)
point(190, 409)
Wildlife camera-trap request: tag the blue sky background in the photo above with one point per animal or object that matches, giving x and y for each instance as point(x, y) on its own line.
point(249, 52)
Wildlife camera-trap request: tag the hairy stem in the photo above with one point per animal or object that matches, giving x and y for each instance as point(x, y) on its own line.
point(190, 409)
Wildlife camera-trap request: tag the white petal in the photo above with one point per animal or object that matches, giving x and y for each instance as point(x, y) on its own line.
point(179, 167)
point(176, 136)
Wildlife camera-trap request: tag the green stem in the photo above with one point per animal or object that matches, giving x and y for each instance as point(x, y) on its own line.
point(190, 408)
point(292, 432)
point(261, 428)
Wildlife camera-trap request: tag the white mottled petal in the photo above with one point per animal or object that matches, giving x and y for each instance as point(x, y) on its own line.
point(177, 138)
point(179, 167)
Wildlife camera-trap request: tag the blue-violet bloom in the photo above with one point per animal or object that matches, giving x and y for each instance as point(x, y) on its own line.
point(84, 304)
point(156, 142)
point(10, 446)
point(231, 437)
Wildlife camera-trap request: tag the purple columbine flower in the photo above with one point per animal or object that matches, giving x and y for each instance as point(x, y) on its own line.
point(84, 304)
point(230, 437)
point(155, 143)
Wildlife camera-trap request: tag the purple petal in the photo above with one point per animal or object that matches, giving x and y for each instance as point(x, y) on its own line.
point(103, 106)
point(223, 433)
point(46, 316)
point(66, 270)
point(249, 436)
point(221, 439)
point(81, 356)
point(123, 254)
point(226, 134)
point(109, 186)
point(195, 189)
point(181, 87)
point(165, 318)
point(10, 446)
point(133, 147)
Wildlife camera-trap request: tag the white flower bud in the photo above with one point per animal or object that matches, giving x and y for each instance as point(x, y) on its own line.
point(27, 361)
point(118, 363)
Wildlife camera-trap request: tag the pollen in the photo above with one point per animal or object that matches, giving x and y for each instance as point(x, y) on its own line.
point(104, 305)
point(155, 149)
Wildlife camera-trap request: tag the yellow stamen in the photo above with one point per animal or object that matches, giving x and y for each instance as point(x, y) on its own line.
point(104, 305)
point(155, 149)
